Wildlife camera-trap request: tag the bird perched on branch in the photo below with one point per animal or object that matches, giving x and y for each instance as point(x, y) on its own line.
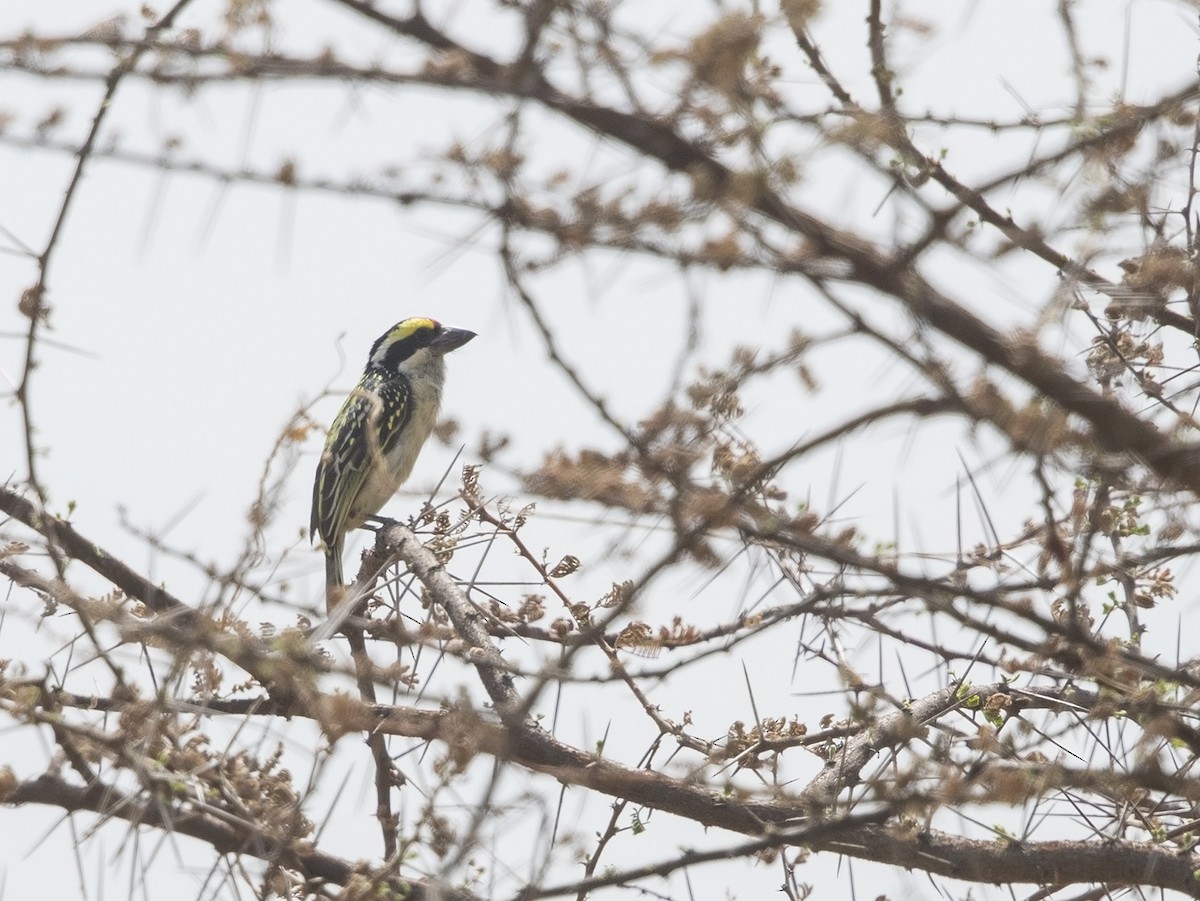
point(375, 439)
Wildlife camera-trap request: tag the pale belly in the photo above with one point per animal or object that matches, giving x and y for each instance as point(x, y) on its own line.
point(384, 481)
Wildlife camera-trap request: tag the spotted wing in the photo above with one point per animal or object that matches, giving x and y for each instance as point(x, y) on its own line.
point(364, 432)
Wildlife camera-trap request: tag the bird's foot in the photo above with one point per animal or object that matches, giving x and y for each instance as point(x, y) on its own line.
point(375, 523)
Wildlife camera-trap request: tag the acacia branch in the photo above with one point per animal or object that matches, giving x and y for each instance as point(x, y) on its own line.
point(1115, 428)
point(286, 678)
point(223, 835)
point(33, 302)
point(468, 621)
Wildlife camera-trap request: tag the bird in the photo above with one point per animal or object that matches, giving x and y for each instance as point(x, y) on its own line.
point(375, 439)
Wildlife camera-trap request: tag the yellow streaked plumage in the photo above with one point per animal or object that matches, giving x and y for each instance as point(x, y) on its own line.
point(375, 438)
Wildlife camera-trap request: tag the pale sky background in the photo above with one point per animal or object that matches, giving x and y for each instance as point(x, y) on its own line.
point(191, 319)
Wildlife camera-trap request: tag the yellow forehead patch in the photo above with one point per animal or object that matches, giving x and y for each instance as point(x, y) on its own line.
point(409, 327)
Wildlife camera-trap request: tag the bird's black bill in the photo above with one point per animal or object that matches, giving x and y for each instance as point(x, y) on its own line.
point(450, 339)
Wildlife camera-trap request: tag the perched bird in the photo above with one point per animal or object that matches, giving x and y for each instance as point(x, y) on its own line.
point(375, 439)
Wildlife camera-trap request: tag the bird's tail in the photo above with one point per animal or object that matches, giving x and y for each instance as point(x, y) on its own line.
point(334, 578)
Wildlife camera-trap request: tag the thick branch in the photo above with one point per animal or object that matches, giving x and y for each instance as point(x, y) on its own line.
point(1108, 863)
point(285, 678)
point(1116, 428)
point(225, 836)
point(468, 621)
